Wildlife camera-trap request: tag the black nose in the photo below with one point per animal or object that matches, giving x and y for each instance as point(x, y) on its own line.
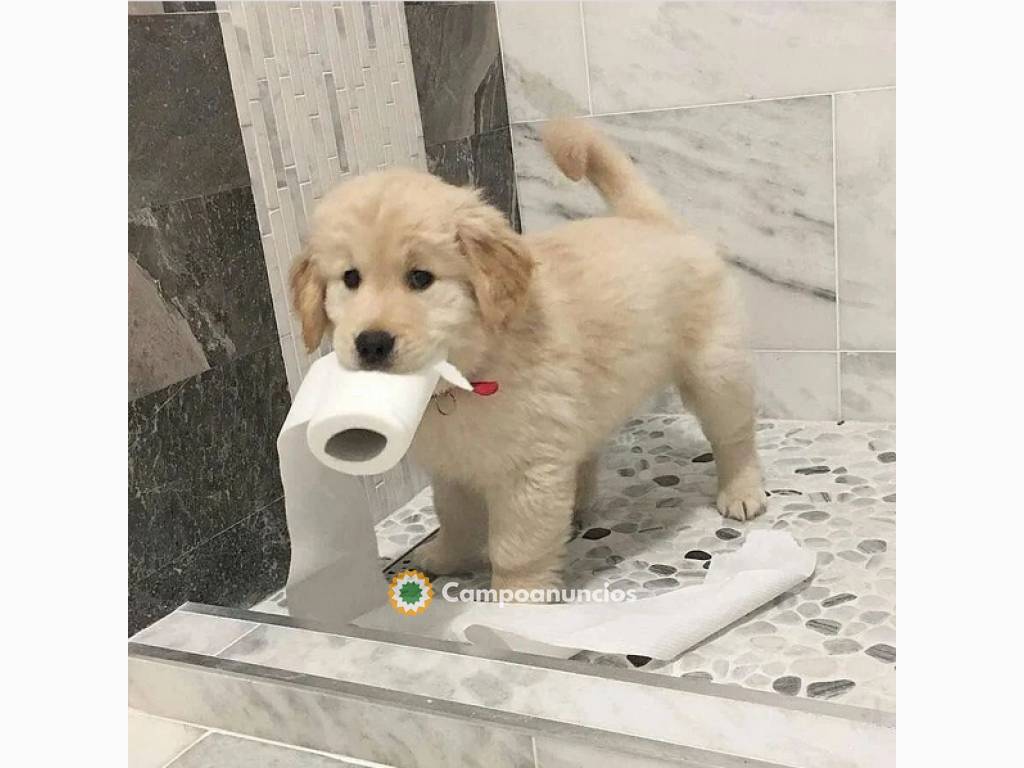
point(374, 346)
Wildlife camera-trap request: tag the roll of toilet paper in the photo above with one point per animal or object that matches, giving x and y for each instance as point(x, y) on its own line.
point(359, 423)
point(364, 421)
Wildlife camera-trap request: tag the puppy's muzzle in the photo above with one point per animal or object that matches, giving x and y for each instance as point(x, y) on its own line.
point(374, 348)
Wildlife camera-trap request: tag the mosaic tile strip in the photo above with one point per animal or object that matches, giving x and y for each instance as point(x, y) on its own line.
point(324, 90)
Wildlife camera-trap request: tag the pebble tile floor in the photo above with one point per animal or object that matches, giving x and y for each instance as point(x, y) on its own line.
point(653, 528)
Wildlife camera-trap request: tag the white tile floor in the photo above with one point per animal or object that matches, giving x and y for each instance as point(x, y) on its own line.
point(154, 742)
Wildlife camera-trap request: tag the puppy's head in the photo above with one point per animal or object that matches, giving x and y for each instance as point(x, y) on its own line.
point(402, 268)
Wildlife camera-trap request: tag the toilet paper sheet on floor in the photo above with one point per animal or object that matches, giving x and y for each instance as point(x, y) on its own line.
point(662, 627)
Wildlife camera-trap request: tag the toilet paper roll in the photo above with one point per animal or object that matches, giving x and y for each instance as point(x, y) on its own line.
point(364, 421)
point(334, 574)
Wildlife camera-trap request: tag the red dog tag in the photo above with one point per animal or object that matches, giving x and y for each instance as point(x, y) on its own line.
point(484, 388)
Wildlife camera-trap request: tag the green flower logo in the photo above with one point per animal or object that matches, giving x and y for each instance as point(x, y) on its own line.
point(410, 593)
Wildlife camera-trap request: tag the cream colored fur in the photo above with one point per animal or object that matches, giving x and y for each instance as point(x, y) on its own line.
point(580, 326)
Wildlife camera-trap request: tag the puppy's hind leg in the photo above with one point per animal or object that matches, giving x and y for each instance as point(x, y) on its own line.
point(718, 386)
point(461, 543)
point(586, 486)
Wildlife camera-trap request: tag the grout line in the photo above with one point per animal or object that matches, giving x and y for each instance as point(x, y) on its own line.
point(201, 736)
point(204, 542)
point(719, 104)
point(518, 212)
point(533, 745)
point(835, 248)
point(830, 351)
point(504, 71)
point(586, 61)
point(247, 632)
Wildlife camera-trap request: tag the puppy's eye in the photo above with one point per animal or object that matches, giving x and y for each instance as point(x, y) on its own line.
point(419, 279)
point(351, 279)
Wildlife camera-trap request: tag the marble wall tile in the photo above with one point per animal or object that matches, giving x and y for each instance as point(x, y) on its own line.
point(869, 386)
point(545, 61)
point(866, 211)
point(797, 385)
point(226, 751)
point(646, 55)
point(183, 135)
point(456, 59)
point(791, 384)
point(237, 567)
point(153, 743)
point(483, 161)
point(755, 178)
point(201, 456)
point(386, 733)
point(198, 292)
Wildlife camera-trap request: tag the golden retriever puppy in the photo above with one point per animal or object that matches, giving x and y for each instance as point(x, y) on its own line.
point(579, 326)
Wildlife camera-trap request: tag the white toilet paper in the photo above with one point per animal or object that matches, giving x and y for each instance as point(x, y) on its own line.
point(364, 421)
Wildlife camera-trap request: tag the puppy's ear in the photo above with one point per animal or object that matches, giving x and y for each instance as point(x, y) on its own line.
point(308, 290)
point(500, 266)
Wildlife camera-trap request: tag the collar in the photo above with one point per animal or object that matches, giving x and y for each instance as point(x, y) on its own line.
point(447, 396)
point(483, 388)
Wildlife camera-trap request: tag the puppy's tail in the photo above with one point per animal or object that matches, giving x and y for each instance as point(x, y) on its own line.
point(579, 150)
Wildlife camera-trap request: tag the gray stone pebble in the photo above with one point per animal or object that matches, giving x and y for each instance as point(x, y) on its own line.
point(829, 689)
point(825, 626)
point(788, 685)
point(870, 546)
point(882, 652)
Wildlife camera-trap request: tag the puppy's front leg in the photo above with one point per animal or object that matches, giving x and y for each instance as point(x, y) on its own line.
point(461, 543)
point(530, 516)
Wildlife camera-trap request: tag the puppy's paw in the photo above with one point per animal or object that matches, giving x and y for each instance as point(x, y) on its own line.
point(439, 557)
point(742, 500)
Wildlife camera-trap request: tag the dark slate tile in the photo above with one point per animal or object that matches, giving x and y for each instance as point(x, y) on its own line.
point(201, 456)
point(237, 568)
point(188, 7)
point(183, 135)
point(198, 291)
point(162, 349)
point(483, 161)
point(456, 59)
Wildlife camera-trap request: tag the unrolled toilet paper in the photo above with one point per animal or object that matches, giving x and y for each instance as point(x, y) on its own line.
point(662, 627)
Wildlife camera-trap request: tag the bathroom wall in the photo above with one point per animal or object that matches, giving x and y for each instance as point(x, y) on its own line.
point(771, 127)
point(456, 58)
point(207, 391)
